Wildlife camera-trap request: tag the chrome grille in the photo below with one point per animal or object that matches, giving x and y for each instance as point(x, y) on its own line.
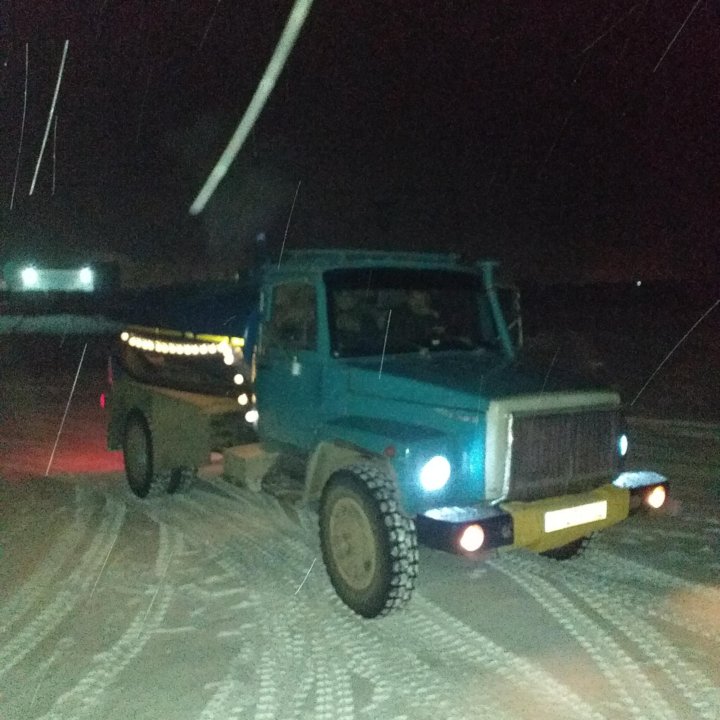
point(560, 453)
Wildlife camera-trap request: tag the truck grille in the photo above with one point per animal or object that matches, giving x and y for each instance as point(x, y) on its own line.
point(561, 453)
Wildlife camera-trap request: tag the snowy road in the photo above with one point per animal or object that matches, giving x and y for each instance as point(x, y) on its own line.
point(214, 604)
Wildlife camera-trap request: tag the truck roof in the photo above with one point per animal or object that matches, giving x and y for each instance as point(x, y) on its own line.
point(321, 260)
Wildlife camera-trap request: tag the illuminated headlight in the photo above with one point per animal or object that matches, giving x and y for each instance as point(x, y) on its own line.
point(30, 277)
point(251, 416)
point(86, 276)
point(435, 473)
point(623, 444)
point(238, 379)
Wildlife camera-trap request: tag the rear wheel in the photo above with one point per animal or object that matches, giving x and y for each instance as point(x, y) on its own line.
point(180, 479)
point(369, 546)
point(138, 456)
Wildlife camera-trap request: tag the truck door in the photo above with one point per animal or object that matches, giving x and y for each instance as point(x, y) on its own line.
point(289, 371)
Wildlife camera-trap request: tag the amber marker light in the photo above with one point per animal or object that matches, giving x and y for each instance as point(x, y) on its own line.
point(656, 497)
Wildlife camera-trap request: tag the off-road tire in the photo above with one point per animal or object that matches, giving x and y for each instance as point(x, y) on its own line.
point(138, 458)
point(568, 552)
point(368, 544)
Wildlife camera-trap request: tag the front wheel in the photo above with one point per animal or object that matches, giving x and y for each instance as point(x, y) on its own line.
point(368, 545)
point(180, 479)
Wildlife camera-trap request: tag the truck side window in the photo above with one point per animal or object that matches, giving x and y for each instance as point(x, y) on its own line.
point(293, 319)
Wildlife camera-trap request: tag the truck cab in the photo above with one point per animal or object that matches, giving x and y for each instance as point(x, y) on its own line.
point(395, 376)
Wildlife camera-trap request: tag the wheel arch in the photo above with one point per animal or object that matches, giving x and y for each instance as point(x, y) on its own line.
point(331, 456)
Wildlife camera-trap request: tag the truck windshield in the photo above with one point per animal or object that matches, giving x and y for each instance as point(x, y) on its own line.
point(405, 311)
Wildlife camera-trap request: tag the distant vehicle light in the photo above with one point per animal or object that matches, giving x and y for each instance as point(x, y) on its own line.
point(656, 497)
point(435, 473)
point(251, 416)
point(86, 276)
point(238, 379)
point(472, 538)
point(623, 445)
point(30, 277)
point(243, 399)
point(638, 283)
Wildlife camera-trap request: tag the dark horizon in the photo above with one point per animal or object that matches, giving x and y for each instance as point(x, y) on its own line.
point(575, 143)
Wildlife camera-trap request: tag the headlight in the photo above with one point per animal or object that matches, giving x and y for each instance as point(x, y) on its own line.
point(30, 277)
point(623, 444)
point(435, 473)
point(86, 276)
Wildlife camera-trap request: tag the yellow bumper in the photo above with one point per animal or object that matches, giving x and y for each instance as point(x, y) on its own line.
point(529, 518)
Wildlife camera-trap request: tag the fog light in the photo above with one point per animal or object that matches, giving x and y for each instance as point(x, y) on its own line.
point(472, 538)
point(656, 497)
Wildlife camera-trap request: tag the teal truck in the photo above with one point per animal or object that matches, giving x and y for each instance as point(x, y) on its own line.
point(398, 379)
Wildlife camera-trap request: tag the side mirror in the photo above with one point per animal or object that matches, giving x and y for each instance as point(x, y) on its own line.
point(509, 298)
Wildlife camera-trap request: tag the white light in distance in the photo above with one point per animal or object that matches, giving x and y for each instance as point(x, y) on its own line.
point(251, 416)
point(30, 277)
point(238, 379)
point(86, 276)
point(435, 473)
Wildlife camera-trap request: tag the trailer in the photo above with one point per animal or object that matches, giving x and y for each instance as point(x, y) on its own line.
point(175, 399)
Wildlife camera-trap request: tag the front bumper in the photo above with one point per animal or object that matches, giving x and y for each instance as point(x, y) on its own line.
point(542, 524)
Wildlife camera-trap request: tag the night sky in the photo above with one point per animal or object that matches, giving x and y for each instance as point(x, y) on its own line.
point(571, 140)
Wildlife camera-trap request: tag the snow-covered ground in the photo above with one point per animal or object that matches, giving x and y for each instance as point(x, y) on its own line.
point(214, 604)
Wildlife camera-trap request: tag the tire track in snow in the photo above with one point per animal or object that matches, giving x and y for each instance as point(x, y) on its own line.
point(283, 663)
point(338, 641)
point(615, 664)
point(75, 587)
point(628, 572)
point(318, 618)
point(699, 692)
point(63, 547)
point(369, 659)
point(86, 696)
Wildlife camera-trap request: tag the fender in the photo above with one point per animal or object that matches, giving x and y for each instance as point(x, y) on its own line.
point(329, 456)
point(396, 448)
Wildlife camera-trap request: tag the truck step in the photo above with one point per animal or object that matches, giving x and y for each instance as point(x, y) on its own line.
point(247, 465)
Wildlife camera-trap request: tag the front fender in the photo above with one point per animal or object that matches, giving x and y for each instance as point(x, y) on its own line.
point(399, 448)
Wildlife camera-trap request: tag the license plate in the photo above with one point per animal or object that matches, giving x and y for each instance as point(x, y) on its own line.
point(579, 515)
